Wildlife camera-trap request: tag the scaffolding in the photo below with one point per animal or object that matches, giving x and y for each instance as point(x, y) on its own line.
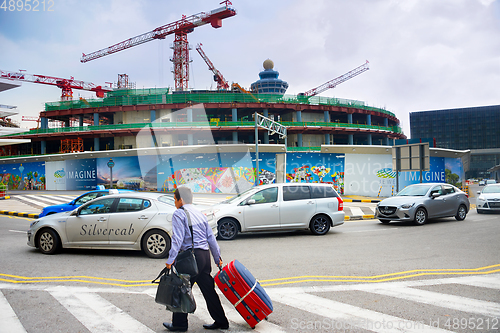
point(71, 145)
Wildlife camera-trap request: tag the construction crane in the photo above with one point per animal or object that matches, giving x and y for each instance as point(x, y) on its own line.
point(221, 81)
point(181, 46)
point(67, 85)
point(335, 82)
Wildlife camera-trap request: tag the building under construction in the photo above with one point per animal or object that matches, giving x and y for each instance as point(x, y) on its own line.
point(226, 115)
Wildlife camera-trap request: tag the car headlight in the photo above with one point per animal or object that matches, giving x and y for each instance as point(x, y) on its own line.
point(216, 211)
point(406, 206)
point(34, 223)
point(481, 198)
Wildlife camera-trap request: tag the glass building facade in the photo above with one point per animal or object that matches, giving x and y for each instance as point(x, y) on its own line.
point(475, 128)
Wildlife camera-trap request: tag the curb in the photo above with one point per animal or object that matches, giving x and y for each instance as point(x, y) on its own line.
point(359, 217)
point(361, 200)
point(14, 213)
point(6, 197)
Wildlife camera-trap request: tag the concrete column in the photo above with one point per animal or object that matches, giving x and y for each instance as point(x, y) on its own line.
point(266, 133)
point(349, 118)
point(299, 136)
point(368, 119)
point(67, 123)
point(370, 142)
point(386, 122)
point(80, 120)
point(327, 117)
point(96, 144)
point(387, 143)
point(44, 147)
point(351, 139)
point(190, 120)
point(235, 118)
point(152, 116)
point(44, 123)
point(327, 120)
point(96, 119)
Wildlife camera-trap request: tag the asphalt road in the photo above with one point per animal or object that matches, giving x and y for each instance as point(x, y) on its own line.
point(362, 276)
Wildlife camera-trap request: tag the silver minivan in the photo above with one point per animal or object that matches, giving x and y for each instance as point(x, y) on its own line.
point(274, 207)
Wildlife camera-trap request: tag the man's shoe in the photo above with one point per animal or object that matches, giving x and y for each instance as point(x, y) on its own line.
point(216, 326)
point(172, 328)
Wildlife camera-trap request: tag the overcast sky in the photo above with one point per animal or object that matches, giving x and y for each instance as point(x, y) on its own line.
point(423, 54)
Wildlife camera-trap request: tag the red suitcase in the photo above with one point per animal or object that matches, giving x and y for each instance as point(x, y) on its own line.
point(244, 292)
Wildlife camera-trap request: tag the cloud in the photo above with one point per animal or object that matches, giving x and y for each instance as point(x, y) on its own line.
point(424, 54)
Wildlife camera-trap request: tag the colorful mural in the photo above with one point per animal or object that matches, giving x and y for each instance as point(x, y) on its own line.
point(316, 168)
point(358, 174)
point(23, 176)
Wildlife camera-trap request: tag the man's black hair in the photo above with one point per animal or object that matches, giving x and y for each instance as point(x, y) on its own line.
point(185, 194)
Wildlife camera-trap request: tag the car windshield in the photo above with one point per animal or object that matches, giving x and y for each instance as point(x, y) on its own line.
point(167, 199)
point(416, 190)
point(491, 189)
point(239, 195)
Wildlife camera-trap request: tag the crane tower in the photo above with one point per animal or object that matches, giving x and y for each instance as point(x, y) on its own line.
point(180, 29)
point(335, 82)
point(67, 85)
point(221, 81)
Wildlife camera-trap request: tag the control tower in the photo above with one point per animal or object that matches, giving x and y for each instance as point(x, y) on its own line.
point(269, 82)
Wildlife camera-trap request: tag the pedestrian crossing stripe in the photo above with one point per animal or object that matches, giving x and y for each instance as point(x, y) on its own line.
point(99, 315)
point(17, 279)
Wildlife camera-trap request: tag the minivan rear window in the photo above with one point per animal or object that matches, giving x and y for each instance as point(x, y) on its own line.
point(318, 192)
point(296, 193)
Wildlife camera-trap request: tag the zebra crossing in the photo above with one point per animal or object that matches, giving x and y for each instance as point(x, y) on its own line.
point(41, 201)
point(38, 202)
point(300, 309)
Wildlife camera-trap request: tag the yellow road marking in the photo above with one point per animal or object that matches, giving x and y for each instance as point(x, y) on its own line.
point(271, 282)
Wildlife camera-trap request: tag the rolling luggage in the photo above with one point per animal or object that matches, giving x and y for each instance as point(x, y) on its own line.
point(244, 292)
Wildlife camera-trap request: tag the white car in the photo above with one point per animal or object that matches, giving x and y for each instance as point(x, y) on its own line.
point(274, 207)
point(125, 221)
point(488, 199)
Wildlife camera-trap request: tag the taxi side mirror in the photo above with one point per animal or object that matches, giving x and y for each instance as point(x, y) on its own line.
point(435, 195)
point(251, 202)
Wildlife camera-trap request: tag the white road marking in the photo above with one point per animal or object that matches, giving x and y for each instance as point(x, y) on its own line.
point(442, 300)
point(352, 232)
point(89, 316)
point(8, 320)
point(19, 231)
point(491, 282)
point(345, 317)
point(356, 211)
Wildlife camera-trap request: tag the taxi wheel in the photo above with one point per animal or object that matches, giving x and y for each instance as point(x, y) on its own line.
point(227, 229)
point(320, 225)
point(420, 216)
point(48, 241)
point(156, 244)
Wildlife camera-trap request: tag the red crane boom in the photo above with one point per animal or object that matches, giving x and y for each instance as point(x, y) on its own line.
point(335, 82)
point(65, 84)
point(181, 47)
point(221, 81)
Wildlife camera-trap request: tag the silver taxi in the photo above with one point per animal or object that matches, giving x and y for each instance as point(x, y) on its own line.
point(126, 221)
point(274, 207)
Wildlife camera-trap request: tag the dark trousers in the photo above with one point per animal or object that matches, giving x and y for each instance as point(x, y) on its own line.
point(207, 286)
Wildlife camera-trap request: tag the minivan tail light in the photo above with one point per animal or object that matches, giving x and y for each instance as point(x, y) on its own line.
point(341, 203)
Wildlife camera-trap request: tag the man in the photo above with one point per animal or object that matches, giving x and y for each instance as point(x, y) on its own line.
point(204, 240)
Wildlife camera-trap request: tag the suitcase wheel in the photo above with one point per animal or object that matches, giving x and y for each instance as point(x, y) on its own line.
point(233, 282)
point(225, 289)
point(256, 310)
